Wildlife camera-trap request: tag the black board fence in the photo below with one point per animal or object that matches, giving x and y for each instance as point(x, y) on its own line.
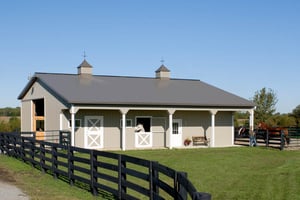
point(275, 139)
point(107, 174)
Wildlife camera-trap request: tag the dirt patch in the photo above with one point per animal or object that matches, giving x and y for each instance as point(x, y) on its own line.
point(6, 176)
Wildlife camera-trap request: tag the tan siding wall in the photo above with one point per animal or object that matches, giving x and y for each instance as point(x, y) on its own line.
point(195, 123)
point(51, 105)
point(223, 131)
point(26, 116)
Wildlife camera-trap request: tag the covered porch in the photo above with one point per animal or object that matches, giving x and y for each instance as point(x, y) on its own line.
point(164, 127)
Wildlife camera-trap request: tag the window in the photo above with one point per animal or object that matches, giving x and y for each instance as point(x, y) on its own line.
point(39, 125)
point(38, 118)
point(128, 123)
point(175, 128)
point(77, 123)
point(145, 121)
point(39, 107)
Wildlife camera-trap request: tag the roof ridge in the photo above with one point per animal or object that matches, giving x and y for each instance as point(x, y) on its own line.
point(117, 76)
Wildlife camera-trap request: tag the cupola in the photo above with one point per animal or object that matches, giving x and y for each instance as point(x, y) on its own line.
point(84, 68)
point(162, 72)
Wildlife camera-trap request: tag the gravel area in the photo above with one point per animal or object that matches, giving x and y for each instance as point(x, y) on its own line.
point(11, 192)
point(8, 190)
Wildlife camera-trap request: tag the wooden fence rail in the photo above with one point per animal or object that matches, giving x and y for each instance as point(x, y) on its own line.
point(111, 175)
point(275, 139)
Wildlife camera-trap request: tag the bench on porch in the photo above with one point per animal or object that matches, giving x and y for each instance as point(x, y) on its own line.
point(200, 140)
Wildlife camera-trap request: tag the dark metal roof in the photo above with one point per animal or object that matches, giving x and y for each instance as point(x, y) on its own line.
point(119, 90)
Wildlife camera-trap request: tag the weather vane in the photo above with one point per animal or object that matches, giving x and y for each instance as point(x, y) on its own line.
point(162, 60)
point(84, 55)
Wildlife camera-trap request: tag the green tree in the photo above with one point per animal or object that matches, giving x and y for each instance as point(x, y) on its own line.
point(14, 124)
point(4, 127)
point(296, 115)
point(10, 111)
point(265, 101)
point(281, 120)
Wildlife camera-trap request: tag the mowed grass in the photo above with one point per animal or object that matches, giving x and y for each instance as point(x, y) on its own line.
point(226, 173)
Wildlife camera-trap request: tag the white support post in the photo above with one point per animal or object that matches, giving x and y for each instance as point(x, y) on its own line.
point(232, 130)
point(251, 120)
point(72, 111)
point(123, 136)
point(212, 140)
point(171, 112)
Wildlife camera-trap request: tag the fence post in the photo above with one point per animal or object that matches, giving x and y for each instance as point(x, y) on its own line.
point(32, 147)
point(282, 141)
point(42, 156)
point(153, 172)
point(122, 176)
point(93, 160)
point(70, 165)
point(180, 188)
point(54, 161)
point(267, 138)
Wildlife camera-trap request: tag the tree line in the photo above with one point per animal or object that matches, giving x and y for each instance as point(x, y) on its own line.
point(8, 111)
point(10, 119)
point(265, 101)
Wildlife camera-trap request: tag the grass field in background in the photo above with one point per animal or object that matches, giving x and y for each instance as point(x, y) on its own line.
point(226, 173)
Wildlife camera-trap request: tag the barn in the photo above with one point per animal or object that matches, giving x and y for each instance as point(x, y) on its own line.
point(102, 111)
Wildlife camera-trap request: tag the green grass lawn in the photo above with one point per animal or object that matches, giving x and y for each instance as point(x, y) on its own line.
point(226, 173)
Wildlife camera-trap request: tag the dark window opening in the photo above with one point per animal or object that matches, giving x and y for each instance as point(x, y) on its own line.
point(40, 125)
point(145, 121)
point(39, 107)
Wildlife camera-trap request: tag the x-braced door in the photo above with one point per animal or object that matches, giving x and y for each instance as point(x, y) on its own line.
point(93, 137)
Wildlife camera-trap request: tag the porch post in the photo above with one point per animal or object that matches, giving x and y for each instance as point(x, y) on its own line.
point(171, 112)
point(212, 140)
point(232, 129)
point(123, 135)
point(251, 120)
point(73, 112)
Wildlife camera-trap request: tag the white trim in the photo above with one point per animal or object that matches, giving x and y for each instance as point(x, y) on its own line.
point(60, 121)
point(161, 108)
point(31, 117)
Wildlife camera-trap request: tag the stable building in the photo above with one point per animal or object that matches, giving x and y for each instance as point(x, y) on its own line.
point(102, 112)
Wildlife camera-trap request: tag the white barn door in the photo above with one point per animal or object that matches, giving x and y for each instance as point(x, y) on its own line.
point(177, 133)
point(93, 132)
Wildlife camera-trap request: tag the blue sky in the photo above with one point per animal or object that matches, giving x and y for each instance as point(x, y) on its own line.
point(239, 46)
